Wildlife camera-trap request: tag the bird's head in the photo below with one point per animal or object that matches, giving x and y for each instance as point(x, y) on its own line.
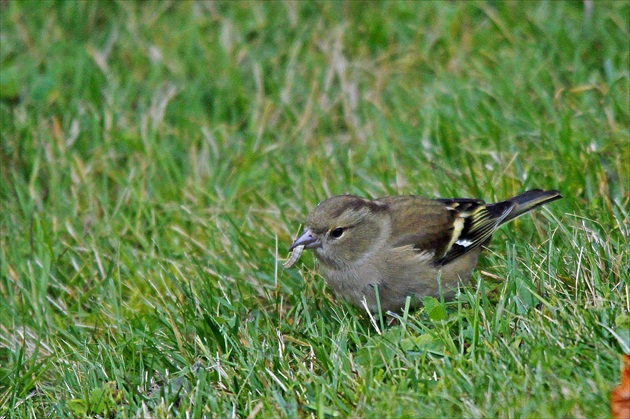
point(344, 229)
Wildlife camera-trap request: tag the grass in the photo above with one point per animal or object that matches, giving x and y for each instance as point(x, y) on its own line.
point(158, 158)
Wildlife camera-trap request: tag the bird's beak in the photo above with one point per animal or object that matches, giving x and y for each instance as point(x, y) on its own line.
point(308, 240)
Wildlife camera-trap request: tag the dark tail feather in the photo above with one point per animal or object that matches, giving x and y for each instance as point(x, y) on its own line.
point(524, 202)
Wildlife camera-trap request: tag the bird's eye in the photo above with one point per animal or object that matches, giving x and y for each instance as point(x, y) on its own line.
point(336, 233)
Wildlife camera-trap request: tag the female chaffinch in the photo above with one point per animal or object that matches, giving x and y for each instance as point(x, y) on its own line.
point(404, 246)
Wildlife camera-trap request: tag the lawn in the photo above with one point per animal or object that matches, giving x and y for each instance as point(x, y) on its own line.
point(158, 158)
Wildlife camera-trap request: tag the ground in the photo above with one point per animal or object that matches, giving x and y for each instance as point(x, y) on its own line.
point(157, 160)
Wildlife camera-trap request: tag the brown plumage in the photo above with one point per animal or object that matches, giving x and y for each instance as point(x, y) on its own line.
point(405, 246)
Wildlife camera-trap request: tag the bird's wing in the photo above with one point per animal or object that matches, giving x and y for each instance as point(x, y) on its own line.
point(474, 224)
point(448, 228)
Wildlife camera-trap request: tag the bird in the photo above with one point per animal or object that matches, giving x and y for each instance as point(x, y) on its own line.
point(377, 253)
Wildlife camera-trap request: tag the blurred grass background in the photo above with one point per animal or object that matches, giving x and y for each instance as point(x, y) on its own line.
point(158, 157)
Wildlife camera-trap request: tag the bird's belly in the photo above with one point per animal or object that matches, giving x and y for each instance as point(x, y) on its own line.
point(394, 283)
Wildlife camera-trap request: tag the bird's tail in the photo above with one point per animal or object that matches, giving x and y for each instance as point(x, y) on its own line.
point(524, 203)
